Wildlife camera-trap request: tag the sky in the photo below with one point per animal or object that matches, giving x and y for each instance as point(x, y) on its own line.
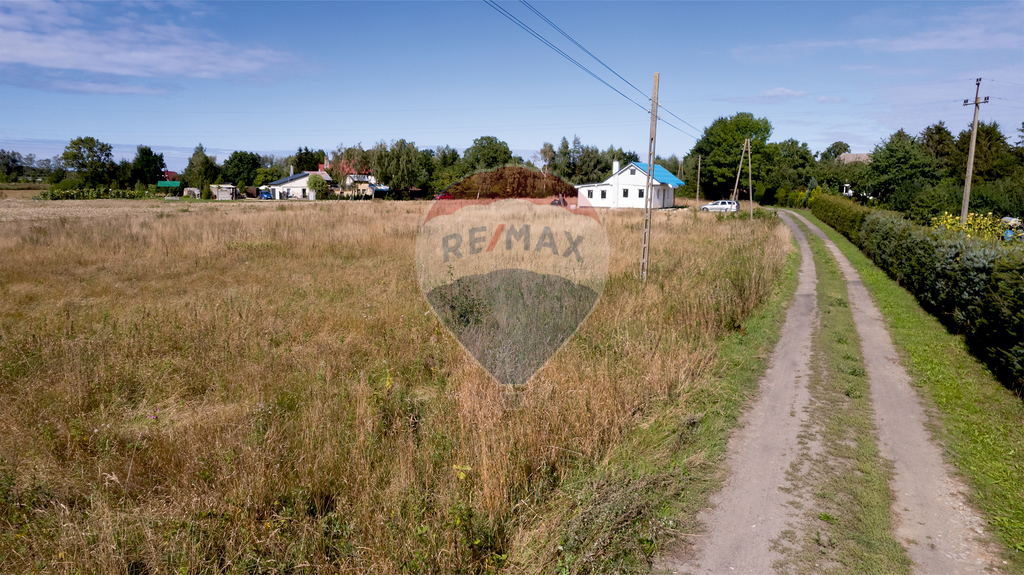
point(271, 76)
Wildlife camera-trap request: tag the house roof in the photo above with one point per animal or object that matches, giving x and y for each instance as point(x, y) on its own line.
point(660, 173)
point(850, 158)
point(282, 181)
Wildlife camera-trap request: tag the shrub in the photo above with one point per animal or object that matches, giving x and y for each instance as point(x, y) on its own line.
point(976, 287)
point(843, 214)
point(981, 226)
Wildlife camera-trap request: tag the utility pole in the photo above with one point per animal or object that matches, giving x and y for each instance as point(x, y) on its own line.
point(645, 253)
point(736, 186)
point(970, 154)
point(750, 180)
point(698, 178)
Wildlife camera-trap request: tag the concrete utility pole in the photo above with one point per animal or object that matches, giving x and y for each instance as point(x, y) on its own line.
point(645, 253)
point(970, 154)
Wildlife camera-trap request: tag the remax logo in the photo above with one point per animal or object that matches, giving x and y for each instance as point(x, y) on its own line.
point(512, 263)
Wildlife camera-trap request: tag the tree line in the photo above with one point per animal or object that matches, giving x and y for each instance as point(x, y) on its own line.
point(921, 175)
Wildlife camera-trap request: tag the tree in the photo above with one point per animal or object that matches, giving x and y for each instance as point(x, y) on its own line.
point(404, 164)
point(121, 175)
point(57, 171)
point(937, 141)
point(318, 185)
point(309, 161)
point(266, 175)
point(792, 165)
point(91, 159)
point(899, 166)
point(993, 156)
point(202, 170)
point(11, 165)
point(241, 168)
point(721, 145)
point(147, 167)
point(832, 153)
point(486, 153)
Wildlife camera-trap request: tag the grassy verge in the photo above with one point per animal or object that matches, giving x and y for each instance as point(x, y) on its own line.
point(980, 422)
point(616, 517)
point(847, 525)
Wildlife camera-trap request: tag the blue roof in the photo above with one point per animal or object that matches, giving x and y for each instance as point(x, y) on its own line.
point(661, 174)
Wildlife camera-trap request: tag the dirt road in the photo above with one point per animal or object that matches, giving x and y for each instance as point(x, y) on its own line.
point(760, 504)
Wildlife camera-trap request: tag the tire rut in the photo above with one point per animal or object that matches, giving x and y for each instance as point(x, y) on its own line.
point(751, 509)
point(932, 520)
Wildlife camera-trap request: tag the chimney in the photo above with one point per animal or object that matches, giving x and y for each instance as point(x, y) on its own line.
point(291, 170)
point(615, 166)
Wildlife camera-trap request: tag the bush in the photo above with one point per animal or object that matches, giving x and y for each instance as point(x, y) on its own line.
point(975, 287)
point(59, 192)
point(844, 215)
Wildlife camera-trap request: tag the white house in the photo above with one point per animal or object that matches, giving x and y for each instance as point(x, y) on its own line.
point(297, 186)
point(626, 188)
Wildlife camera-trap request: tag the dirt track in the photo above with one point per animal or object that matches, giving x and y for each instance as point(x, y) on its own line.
point(931, 517)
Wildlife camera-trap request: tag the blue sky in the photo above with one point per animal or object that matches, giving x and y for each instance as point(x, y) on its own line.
point(269, 76)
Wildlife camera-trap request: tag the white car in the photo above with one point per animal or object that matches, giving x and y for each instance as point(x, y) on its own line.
point(721, 206)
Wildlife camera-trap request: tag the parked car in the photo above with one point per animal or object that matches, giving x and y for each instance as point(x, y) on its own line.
point(721, 206)
point(444, 196)
point(266, 195)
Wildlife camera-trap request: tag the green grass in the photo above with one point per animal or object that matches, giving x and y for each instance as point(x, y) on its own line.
point(847, 523)
point(980, 422)
point(619, 516)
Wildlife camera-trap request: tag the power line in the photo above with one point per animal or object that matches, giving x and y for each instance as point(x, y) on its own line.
point(580, 46)
point(536, 35)
point(1003, 82)
point(599, 61)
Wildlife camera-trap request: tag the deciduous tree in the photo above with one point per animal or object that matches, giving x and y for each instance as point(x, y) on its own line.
point(91, 159)
point(486, 153)
point(202, 170)
point(240, 168)
point(721, 146)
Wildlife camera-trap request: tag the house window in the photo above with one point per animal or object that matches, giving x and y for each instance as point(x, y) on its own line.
point(625, 192)
point(604, 194)
point(641, 192)
point(590, 193)
point(632, 172)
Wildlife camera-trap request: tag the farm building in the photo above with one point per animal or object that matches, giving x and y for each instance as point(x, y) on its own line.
point(625, 188)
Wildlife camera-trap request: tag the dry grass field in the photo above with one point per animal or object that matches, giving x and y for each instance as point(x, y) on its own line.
point(211, 388)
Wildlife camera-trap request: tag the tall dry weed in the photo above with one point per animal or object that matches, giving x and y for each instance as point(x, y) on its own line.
point(241, 388)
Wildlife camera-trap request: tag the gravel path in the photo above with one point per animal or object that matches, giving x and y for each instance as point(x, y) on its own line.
point(933, 521)
point(750, 510)
point(941, 532)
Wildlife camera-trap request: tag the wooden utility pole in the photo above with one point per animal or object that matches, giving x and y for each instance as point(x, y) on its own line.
point(698, 178)
point(645, 253)
point(750, 180)
point(736, 186)
point(970, 153)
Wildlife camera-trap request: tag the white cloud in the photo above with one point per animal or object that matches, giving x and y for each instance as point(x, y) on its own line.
point(995, 27)
point(101, 88)
point(777, 95)
point(48, 35)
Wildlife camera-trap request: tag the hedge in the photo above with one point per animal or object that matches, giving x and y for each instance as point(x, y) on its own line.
point(975, 287)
